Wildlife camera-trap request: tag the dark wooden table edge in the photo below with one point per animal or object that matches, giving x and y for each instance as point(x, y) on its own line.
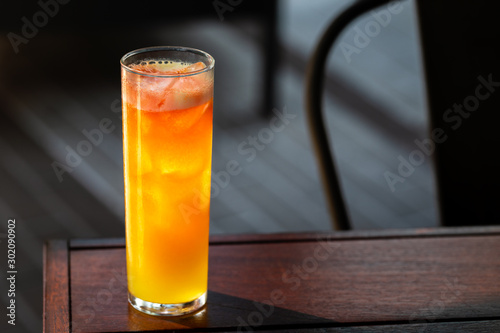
point(486, 325)
point(57, 266)
point(56, 294)
point(77, 244)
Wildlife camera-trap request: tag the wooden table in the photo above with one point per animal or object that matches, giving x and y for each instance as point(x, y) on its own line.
point(425, 280)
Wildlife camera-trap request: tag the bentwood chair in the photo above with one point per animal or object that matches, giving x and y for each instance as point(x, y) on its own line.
point(459, 42)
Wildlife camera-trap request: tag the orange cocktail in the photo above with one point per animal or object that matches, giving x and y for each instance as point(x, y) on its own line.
point(167, 96)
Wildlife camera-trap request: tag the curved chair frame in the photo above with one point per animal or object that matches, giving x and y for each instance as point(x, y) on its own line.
point(314, 95)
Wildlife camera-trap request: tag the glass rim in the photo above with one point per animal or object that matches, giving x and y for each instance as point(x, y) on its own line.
point(210, 66)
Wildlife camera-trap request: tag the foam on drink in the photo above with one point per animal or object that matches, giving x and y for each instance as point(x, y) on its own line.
point(168, 85)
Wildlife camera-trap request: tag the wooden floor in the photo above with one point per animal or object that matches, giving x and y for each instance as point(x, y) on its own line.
point(375, 109)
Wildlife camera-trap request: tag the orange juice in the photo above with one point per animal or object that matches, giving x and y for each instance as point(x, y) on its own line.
point(167, 136)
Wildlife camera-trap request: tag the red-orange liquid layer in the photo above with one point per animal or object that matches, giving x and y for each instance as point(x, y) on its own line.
point(167, 163)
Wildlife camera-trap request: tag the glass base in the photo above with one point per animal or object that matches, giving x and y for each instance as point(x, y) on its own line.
point(159, 309)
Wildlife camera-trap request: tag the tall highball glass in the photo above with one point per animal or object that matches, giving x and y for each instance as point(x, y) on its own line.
point(167, 101)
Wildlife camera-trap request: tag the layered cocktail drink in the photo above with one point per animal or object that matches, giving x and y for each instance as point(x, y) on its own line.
point(167, 101)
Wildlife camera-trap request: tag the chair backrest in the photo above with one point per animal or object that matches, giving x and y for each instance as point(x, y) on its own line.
point(462, 67)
